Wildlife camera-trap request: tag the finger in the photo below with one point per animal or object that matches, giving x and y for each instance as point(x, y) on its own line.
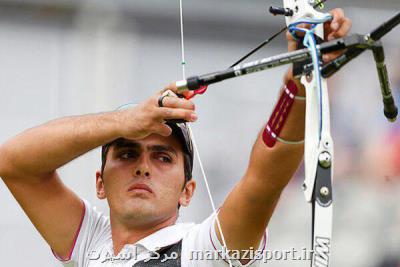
point(304, 26)
point(188, 94)
point(338, 18)
point(175, 102)
point(331, 56)
point(344, 28)
point(162, 129)
point(292, 44)
point(342, 32)
point(333, 25)
point(172, 87)
point(177, 113)
point(301, 26)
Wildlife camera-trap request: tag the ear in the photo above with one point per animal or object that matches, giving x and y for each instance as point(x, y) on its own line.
point(187, 193)
point(100, 190)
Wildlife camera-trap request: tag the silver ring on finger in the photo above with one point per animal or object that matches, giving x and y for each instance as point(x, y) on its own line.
point(160, 100)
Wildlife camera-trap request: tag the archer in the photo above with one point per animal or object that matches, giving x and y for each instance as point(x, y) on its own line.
point(145, 178)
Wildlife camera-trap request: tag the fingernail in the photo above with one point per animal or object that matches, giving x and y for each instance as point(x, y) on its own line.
point(193, 117)
point(325, 58)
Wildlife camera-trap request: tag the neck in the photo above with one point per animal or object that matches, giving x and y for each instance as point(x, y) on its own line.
point(124, 233)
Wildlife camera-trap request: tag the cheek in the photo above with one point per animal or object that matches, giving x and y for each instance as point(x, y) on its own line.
point(170, 187)
point(173, 174)
point(170, 184)
point(114, 179)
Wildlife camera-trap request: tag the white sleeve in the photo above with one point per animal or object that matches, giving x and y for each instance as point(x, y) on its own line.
point(201, 248)
point(93, 231)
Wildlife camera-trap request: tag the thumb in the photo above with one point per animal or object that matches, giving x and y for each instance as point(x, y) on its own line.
point(163, 129)
point(292, 43)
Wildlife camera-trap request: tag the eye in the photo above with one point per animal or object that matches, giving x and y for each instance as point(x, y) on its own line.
point(164, 158)
point(127, 154)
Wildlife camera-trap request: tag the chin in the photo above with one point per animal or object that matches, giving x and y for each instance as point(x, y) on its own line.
point(139, 208)
point(143, 212)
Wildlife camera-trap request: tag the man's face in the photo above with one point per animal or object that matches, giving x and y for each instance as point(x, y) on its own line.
point(143, 180)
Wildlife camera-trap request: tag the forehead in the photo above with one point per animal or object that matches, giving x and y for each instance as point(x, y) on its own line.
point(149, 141)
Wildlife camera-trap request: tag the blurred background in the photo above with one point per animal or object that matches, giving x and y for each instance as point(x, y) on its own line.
point(63, 58)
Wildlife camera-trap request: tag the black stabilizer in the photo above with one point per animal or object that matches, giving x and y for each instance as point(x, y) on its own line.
point(386, 27)
point(389, 107)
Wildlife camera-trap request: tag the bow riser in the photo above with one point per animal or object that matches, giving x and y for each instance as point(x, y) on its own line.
point(303, 9)
point(318, 148)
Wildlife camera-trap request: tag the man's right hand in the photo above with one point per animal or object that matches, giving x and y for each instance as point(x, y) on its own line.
point(148, 118)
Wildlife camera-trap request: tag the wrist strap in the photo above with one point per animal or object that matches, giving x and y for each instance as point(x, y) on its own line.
point(290, 142)
point(279, 116)
point(300, 97)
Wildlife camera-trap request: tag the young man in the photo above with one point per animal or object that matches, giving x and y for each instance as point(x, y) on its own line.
point(146, 177)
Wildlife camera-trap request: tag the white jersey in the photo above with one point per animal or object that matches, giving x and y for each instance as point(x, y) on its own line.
point(198, 245)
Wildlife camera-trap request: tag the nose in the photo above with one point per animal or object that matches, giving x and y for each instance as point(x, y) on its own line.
point(142, 168)
point(142, 172)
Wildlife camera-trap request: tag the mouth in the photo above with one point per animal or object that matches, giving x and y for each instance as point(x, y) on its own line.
point(140, 188)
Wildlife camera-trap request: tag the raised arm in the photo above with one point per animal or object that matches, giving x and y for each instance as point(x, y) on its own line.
point(29, 161)
point(250, 205)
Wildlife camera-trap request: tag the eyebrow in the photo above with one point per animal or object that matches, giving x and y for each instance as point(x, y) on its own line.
point(163, 148)
point(124, 143)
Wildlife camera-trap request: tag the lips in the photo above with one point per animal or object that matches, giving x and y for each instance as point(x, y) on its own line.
point(140, 187)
